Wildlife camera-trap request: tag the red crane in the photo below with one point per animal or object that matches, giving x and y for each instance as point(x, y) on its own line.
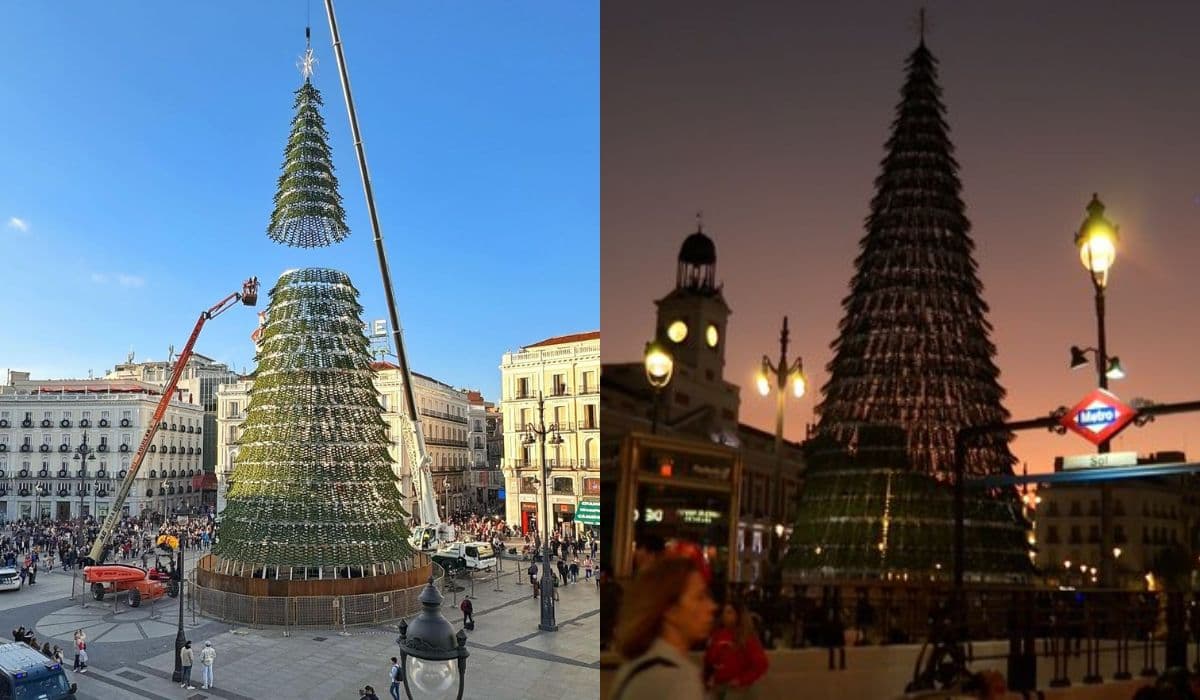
point(249, 297)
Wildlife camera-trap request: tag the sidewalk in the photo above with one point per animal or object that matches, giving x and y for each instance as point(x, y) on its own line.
point(509, 657)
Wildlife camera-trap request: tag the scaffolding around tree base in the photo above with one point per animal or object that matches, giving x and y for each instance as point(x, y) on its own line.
point(326, 603)
point(247, 579)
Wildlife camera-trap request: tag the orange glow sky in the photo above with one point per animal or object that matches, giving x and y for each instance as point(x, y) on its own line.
point(773, 122)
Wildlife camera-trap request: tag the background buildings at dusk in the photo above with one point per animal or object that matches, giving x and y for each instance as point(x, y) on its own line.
point(773, 123)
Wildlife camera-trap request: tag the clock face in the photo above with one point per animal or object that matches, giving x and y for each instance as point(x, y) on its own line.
point(712, 336)
point(677, 331)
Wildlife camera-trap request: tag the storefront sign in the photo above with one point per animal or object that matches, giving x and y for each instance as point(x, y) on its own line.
point(588, 513)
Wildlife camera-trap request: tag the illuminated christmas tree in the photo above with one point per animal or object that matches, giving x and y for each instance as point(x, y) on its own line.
point(912, 364)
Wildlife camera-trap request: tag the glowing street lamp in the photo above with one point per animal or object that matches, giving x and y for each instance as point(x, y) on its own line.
point(1097, 242)
point(660, 366)
point(783, 374)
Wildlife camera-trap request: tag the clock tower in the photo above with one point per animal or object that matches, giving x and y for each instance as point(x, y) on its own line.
point(691, 325)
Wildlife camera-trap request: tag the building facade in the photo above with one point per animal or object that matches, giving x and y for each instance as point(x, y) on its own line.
point(444, 419)
point(485, 480)
point(44, 422)
point(564, 372)
point(1150, 516)
point(699, 405)
point(495, 438)
point(201, 379)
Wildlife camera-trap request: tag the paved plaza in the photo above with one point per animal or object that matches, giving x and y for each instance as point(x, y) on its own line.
point(132, 650)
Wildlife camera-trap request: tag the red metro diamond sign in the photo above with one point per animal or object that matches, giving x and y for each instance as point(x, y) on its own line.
point(1099, 416)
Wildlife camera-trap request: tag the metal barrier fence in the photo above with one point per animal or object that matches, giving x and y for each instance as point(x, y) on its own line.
point(307, 612)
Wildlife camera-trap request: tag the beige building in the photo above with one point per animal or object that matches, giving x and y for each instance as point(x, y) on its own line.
point(43, 423)
point(1149, 516)
point(565, 372)
point(485, 479)
point(201, 379)
point(444, 418)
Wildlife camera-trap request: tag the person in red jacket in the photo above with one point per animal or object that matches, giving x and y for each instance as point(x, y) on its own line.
point(735, 659)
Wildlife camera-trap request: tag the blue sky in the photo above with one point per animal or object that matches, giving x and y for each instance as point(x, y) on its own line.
point(141, 143)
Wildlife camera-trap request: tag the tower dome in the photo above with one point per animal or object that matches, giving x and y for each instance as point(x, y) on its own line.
point(698, 249)
point(697, 269)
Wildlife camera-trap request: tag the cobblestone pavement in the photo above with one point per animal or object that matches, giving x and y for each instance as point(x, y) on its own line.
point(132, 651)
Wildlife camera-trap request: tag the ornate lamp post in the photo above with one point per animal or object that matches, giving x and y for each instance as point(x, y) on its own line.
point(177, 676)
point(433, 659)
point(659, 368)
point(1097, 241)
point(782, 373)
point(538, 433)
point(83, 454)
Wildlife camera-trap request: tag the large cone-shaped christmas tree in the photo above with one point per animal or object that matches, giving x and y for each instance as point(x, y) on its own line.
point(912, 365)
point(308, 207)
point(312, 484)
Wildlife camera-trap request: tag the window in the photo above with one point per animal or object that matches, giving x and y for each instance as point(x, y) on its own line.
point(522, 388)
point(589, 417)
point(564, 486)
point(1076, 535)
point(233, 409)
point(589, 383)
point(1052, 534)
point(560, 384)
point(756, 545)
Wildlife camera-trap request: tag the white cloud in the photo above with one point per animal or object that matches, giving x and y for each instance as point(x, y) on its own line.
point(130, 280)
point(99, 278)
point(18, 224)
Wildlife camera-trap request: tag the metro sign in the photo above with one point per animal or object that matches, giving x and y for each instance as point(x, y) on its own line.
point(1099, 416)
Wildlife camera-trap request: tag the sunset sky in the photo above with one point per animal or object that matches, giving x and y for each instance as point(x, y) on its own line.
point(773, 120)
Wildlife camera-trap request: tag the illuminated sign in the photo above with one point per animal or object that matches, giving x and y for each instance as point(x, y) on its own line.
point(1102, 459)
point(1099, 416)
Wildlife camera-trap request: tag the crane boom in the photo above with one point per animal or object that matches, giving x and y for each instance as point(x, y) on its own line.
point(423, 475)
point(249, 297)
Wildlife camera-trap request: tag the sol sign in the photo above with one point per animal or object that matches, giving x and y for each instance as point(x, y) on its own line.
point(1099, 416)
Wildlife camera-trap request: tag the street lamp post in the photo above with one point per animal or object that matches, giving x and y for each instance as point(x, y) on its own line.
point(541, 431)
point(83, 454)
point(1097, 241)
point(433, 659)
point(782, 373)
point(659, 368)
point(177, 676)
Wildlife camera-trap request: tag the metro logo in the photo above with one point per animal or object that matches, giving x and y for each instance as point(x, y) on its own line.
point(1099, 416)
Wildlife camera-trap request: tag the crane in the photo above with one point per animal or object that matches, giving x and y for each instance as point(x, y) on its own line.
point(432, 530)
point(249, 297)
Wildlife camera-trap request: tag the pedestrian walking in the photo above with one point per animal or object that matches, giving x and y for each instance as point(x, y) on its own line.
point(208, 656)
point(185, 659)
point(368, 693)
point(734, 660)
point(80, 636)
point(468, 610)
point(573, 569)
point(533, 579)
point(668, 610)
point(394, 675)
point(588, 565)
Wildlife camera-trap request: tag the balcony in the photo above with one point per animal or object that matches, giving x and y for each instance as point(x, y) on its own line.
point(444, 416)
point(587, 390)
point(442, 442)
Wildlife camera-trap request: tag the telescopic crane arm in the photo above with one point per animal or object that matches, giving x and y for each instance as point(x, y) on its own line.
point(249, 297)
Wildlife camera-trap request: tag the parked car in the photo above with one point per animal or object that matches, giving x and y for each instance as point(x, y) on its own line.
point(26, 673)
point(10, 579)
